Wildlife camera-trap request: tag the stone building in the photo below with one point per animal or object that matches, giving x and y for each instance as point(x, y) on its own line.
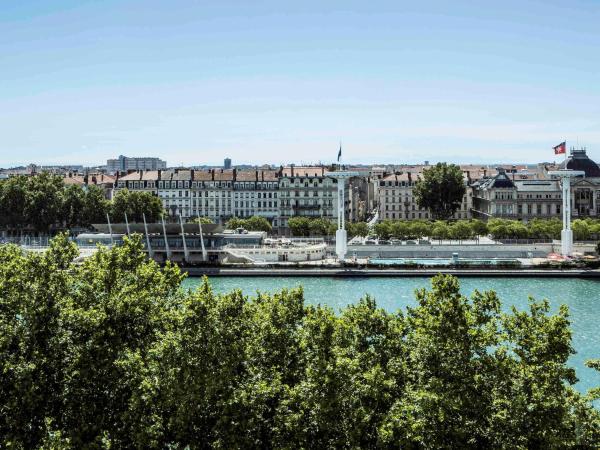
point(397, 200)
point(540, 196)
point(102, 180)
point(126, 164)
point(306, 192)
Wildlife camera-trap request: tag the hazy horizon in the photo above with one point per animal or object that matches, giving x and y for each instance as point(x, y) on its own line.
point(270, 82)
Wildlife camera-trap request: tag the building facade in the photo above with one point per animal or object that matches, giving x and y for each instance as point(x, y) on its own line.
point(125, 164)
point(524, 198)
point(306, 192)
point(397, 200)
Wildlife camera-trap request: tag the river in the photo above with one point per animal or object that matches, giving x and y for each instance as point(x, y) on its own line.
point(581, 296)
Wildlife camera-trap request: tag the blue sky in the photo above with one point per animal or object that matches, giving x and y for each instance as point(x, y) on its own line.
point(275, 81)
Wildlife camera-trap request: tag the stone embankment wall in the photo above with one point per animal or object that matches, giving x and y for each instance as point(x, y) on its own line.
point(464, 251)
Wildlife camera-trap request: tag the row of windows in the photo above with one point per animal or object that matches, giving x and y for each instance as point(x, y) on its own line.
point(398, 183)
point(196, 184)
point(206, 194)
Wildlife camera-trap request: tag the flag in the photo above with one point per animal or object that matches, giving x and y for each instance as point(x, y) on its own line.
point(339, 153)
point(560, 148)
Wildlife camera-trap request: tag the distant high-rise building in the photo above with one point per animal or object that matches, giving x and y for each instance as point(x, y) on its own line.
point(227, 163)
point(124, 163)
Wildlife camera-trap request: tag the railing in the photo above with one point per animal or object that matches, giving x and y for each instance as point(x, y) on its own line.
point(524, 241)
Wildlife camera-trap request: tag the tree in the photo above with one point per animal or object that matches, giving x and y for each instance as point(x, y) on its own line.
point(419, 229)
point(399, 229)
point(441, 190)
point(95, 206)
point(73, 204)
point(203, 220)
point(43, 201)
point(256, 223)
point(581, 230)
point(135, 204)
point(440, 230)
point(478, 227)
point(299, 226)
point(383, 229)
point(460, 230)
point(235, 223)
point(13, 197)
point(357, 229)
point(112, 353)
point(321, 227)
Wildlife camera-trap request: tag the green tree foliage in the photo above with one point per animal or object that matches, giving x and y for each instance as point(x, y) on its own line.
point(441, 190)
point(299, 226)
point(254, 223)
point(111, 353)
point(534, 229)
point(95, 206)
point(202, 220)
point(583, 229)
point(43, 202)
point(460, 230)
point(135, 204)
point(322, 227)
point(357, 229)
point(83, 206)
point(383, 229)
point(306, 226)
point(13, 198)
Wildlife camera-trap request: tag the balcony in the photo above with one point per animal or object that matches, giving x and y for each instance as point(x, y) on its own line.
point(306, 207)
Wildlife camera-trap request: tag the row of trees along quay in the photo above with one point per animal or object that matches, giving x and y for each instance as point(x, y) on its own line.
point(43, 204)
point(583, 229)
point(113, 353)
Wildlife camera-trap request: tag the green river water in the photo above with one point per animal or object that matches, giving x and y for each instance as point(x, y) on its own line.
point(582, 297)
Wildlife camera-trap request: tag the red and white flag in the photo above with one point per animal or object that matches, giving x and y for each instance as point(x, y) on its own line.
point(560, 148)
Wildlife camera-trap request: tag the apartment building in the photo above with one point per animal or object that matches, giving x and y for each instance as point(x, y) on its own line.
point(102, 180)
point(223, 194)
point(397, 200)
point(218, 194)
point(125, 164)
point(306, 192)
point(212, 194)
point(256, 194)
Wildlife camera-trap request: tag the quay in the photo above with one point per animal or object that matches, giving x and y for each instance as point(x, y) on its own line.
point(343, 272)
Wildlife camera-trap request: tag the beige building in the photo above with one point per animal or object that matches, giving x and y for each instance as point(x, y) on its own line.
point(537, 194)
point(306, 192)
point(397, 200)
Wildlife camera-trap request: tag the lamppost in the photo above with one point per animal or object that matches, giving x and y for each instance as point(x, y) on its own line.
point(566, 235)
point(341, 239)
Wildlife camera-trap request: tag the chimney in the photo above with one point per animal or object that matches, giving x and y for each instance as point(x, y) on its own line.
point(212, 173)
point(256, 174)
point(263, 175)
point(234, 172)
point(292, 167)
point(485, 172)
point(409, 177)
